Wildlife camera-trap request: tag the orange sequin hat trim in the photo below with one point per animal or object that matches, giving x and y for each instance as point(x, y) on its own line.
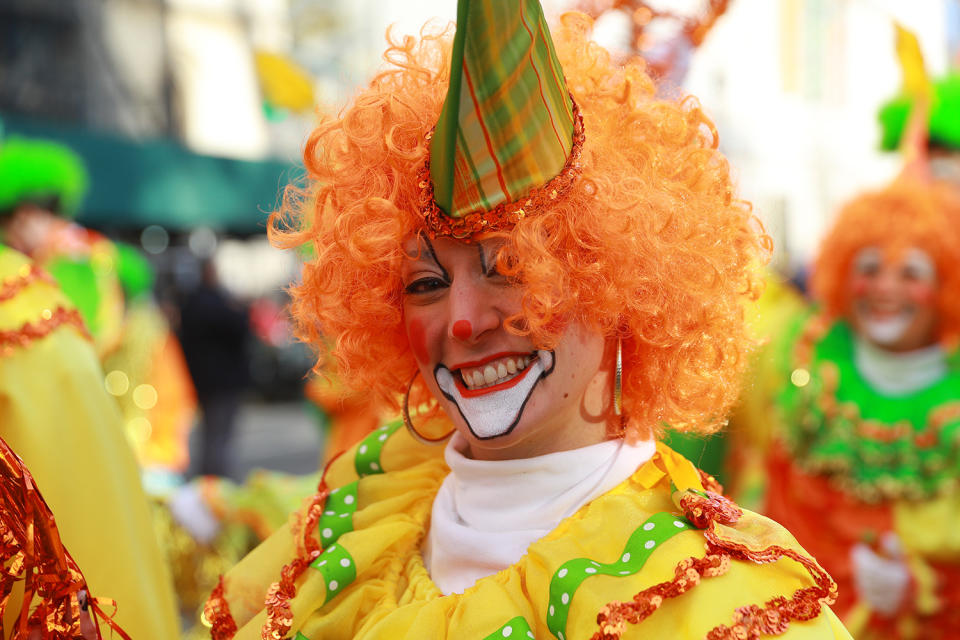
point(505, 215)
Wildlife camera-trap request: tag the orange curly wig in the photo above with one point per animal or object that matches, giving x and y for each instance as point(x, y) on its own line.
point(649, 245)
point(907, 213)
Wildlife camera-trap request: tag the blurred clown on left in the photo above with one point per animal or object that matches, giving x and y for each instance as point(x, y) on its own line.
point(42, 184)
point(55, 413)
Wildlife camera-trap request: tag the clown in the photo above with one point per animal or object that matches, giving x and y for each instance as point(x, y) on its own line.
point(865, 470)
point(41, 186)
point(57, 417)
point(544, 263)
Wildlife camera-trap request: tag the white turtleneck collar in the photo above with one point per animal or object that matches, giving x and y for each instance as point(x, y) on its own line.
point(898, 374)
point(487, 513)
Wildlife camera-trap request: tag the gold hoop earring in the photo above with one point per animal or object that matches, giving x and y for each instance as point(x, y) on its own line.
point(408, 423)
point(618, 381)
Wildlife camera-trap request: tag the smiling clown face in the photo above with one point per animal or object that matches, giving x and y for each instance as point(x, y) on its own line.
point(507, 397)
point(892, 298)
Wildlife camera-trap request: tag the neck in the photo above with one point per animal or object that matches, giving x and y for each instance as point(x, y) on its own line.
point(902, 372)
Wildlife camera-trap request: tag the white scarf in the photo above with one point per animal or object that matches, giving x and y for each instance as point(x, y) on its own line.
point(898, 374)
point(487, 513)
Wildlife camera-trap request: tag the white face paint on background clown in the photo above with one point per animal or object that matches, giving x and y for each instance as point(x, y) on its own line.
point(893, 298)
point(505, 396)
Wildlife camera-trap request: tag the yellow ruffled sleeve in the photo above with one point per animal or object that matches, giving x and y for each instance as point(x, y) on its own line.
point(369, 582)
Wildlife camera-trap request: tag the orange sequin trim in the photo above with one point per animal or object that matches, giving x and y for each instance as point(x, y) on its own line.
point(27, 274)
point(31, 331)
point(505, 215)
point(216, 610)
point(615, 616)
point(709, 482)
point(277, 601)
point(702, 510)
point(752, 621)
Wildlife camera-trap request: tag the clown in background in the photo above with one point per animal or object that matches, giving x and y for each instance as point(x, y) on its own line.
point(864, 469)
point(856, 407)
point(41, 186)
point(57, 417)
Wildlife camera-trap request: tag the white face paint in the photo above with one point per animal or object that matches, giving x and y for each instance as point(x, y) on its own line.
point(507, 397)
point(495, 410)
point(888, 330)
point(884, 307)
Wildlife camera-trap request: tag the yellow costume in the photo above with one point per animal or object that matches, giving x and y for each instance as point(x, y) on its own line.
point(370, 581)
point(55, 414)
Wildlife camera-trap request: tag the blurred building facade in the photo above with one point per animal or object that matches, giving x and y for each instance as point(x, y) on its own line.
point(795, 86)
point(792, 84)
point(58, 62)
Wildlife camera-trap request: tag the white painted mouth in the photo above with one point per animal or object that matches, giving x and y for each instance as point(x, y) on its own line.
point(887, 330)
point(495, 413)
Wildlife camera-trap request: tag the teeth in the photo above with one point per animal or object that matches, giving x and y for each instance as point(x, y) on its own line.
point(494, 372)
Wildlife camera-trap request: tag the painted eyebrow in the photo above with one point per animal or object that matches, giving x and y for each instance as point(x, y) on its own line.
point(433, 254)
point(488, 270)
point(483, 258)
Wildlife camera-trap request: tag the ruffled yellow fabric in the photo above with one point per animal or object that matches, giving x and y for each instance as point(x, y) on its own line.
point(55, 415)
point(370, 581)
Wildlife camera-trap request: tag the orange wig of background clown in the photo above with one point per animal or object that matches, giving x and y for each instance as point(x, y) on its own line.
point(907, 213)
point(648, 244)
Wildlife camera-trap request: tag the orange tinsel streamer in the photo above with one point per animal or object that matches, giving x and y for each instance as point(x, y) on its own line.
point(31, 551)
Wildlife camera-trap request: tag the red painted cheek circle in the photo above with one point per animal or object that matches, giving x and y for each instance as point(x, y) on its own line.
point(859, 286)
point(418, 341)
point(921, 294)
point(462, 330)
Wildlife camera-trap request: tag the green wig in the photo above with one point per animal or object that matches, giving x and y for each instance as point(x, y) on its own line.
point(40, 171)
point(944, 126)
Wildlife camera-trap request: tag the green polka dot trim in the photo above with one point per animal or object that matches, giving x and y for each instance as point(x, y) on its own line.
point(337, 518)
point(517, 629)
point(655, 531)
point(337, 568)
point(367, 460)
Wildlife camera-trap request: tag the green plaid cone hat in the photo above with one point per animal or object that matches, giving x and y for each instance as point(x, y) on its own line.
point(508, 139)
